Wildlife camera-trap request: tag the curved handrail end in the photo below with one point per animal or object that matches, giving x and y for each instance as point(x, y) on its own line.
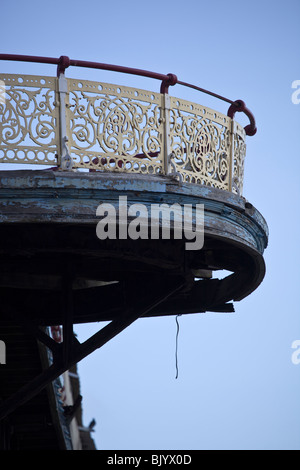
point(239, 106)
point(63, 63)
point(171, 81)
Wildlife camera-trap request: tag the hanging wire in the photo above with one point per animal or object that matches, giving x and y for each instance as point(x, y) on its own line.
point(176, 347)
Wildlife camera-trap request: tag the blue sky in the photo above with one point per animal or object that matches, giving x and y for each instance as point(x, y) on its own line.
point(237, 386)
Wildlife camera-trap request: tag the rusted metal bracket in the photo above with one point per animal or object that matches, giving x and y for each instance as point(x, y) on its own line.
point(175, 173)
point(66, 159)
point(70, 351)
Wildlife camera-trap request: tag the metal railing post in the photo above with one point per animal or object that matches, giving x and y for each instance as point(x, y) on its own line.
point(166, 137)
point(164, 89)
point(231, 156)
point(65, 161)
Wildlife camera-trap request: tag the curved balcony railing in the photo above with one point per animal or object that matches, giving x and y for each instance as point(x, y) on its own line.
point(68, 124)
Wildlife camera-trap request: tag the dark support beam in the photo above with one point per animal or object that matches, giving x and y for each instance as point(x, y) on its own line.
point(80, 351)
point(67, 314)
point(5, 434)
point(43, 338)
point(37, 332)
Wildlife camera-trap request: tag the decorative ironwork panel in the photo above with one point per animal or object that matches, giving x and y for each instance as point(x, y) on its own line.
point(115, 128)
point(29, 131)
point(118, 128)
point(239, 153)
point(200, 142)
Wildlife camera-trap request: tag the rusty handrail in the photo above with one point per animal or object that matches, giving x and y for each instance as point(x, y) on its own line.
point(240, 106)
point(235, 106)
point(170, 79)
point(63, 62)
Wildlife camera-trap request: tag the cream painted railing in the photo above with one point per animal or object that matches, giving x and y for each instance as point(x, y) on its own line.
point(78, 124)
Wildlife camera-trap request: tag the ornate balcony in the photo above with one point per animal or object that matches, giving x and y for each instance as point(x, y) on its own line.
point(111, 143)
point(69, 124)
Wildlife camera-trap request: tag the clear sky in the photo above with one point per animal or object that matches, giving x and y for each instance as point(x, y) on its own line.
point(237, 386)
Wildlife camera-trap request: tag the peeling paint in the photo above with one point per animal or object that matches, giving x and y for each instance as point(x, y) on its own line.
point(36, 196)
